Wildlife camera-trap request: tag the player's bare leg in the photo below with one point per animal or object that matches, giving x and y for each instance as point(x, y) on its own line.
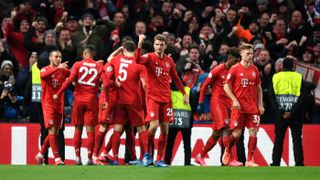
point(99, 136)
point(162, 143)
point(90, 143)
point(252, 144)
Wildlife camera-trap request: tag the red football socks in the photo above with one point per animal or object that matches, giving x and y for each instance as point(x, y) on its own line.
point(77, 141)
point(209, 145)
point(252, 144)
point(143, 140)
point(98, 142)
point(45, 146)
point(90, 144)
point(115, 144)
point(162, 143)
point(150, 141)
point(53, 141)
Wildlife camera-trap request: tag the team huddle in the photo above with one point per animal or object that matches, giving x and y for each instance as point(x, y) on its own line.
point(117, 93)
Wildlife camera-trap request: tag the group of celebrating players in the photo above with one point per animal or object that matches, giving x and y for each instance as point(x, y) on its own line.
point(131, 81)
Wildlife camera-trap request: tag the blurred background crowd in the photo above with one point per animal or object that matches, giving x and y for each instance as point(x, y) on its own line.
point(199, 34)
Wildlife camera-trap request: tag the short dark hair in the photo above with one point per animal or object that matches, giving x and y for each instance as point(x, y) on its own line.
point(129, 45)
point(287, 63)
point(233, 51)
point(90, 49)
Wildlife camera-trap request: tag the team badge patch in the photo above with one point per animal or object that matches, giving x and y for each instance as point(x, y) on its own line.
point(51, 122)
point(210, 75)
point(109, 69)
point(167, 64)
point(235, 123)
point(152, 114)
point(228, 76)
point(254, 74)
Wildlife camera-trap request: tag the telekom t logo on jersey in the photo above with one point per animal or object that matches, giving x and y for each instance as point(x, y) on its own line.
point(158, 71)
point(244, 82)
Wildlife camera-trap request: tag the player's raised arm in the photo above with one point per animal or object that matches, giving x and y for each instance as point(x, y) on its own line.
point(68, 81)
point(203, 90)
point(114, 53)
point(177, 81)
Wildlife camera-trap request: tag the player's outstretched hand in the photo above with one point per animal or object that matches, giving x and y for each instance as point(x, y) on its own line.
point(100, 61)
point(117, 83)
point(55, 97)
point(104, 106)
point(236, 105)
point(63, 65)
point(200, 108)
point(185, 99)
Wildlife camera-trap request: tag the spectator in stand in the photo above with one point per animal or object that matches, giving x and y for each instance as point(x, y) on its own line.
point(34, 38)
point(9, 104)
point(190, 24)
point(72, 24)
point(191, 67)
point(297, 27)
point(90, 33)
point(66, 47)
point(15, 39)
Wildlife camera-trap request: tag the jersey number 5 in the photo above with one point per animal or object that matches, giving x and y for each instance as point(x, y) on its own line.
point(123, 73)
point(87, 71)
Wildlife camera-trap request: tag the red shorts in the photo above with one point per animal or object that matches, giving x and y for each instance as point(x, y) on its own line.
point(240, 120)
point(131, 114)
point(220, 112)
point(105, 115)
point(161, 111)
point(51, 118)
point(85, 113)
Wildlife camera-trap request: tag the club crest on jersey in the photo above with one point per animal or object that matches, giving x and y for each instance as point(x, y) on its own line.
point(228, 76)
point(210, 75)
point(51, 122)
point(235, 124)
point(167, 65)
point(254, 74)
point(152, 114)
point(109, 69)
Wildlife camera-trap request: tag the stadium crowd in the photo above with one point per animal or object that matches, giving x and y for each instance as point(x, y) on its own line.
point(199, 34)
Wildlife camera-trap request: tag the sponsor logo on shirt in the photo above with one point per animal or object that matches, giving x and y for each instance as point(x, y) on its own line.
point(244, 82)
point(55, 83)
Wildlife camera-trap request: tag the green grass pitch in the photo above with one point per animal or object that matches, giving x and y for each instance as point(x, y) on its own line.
point(32, 172)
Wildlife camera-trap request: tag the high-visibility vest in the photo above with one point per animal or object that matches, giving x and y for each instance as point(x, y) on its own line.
point(181, 111)
point(36, 83)
point(287, 86)
point(177, 99)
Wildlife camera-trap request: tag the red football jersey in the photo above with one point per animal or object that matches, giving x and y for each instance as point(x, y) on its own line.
point(86, 75)
point(216, 78)
point(244, 82)
point(160, 73)
point(51, 81)
point(128, 72)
